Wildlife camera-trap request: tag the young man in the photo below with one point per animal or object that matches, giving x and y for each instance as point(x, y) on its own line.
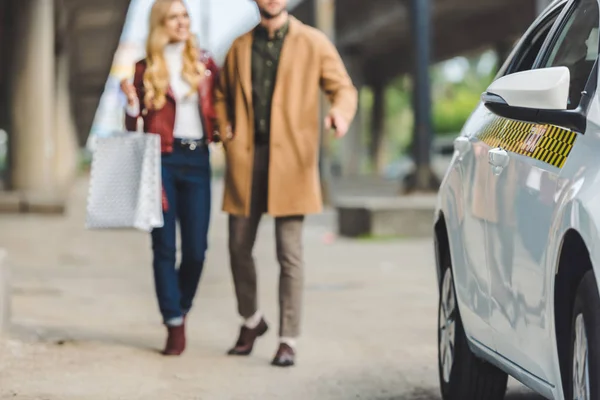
point(267, 104)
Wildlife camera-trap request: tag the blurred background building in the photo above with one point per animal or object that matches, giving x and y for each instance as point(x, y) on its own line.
point(63, 59)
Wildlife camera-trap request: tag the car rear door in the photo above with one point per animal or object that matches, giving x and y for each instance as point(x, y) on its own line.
point(525, 164)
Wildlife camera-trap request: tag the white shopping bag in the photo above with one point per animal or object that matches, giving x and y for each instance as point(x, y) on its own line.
point(126, 185)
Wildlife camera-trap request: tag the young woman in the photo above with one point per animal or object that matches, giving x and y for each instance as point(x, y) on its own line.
point(172, 95)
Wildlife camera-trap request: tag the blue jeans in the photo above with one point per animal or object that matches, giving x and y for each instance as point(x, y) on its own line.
point(186, 176)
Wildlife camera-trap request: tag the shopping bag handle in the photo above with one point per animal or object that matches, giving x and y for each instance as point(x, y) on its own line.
point(139, 124)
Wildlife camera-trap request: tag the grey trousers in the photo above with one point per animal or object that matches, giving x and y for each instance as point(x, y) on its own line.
point(288, 237)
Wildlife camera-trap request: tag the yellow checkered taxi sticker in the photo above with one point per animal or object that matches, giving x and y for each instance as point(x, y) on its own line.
point(547, 143)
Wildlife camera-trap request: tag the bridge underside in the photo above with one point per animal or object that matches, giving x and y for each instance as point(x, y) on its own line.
point(378, 32)
point(51, 86)
point(376, 40)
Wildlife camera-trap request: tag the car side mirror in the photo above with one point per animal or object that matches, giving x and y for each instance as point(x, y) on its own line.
point(538, 96)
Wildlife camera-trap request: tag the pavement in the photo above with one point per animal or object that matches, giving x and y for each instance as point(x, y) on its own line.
point(86, 324)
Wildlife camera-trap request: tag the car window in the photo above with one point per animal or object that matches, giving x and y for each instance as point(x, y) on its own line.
point(576, 48)
point(523, 57)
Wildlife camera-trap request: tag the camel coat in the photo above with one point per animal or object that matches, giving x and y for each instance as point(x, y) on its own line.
point(308, 63)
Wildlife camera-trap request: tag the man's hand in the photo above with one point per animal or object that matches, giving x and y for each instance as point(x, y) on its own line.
point(334, 121)
point(129, 91)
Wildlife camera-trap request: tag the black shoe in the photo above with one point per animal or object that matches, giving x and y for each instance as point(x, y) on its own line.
point(245, 342)
point(285, 356)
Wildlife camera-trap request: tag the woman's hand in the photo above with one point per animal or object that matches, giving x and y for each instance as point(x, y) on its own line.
point(130, 92)
point(224, 135)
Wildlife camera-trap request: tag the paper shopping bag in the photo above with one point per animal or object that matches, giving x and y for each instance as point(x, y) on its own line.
point(126, 186)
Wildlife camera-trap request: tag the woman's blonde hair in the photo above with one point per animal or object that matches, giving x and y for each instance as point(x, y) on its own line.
point(156, 77)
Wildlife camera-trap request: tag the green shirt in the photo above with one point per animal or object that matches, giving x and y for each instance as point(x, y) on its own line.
point(265, 60)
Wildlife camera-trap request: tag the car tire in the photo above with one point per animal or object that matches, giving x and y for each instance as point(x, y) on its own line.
point(584, 360)
point(462, 375)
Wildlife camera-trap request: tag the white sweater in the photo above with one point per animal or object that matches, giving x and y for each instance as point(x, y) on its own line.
point(188, 124)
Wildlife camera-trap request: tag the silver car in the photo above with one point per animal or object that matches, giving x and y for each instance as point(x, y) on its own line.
point(517, 224)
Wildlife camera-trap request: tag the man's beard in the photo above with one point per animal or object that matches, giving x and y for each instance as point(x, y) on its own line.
point(267, 15)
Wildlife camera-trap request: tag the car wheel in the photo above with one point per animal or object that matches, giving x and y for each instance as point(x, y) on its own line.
point(462, 375)
point(585, 341)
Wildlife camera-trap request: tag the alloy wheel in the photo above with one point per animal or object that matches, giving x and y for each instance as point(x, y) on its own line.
point(447, 325)
point(581, 374)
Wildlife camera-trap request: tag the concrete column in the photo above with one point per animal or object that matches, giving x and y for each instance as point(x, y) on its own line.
point(324, 20)
point(33, 103)
point(66, 162)
point(5, 54)
point(377, 127)
point(352, 148)
point(422, 178)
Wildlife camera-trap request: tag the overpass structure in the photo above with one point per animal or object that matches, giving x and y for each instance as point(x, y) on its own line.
point(57, 55)
point(379, 39)
point(376, 34)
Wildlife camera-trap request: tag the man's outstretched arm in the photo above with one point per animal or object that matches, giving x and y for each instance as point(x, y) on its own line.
point(338, 87)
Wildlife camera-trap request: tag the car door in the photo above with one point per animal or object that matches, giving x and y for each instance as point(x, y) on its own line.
point(466, 190)
point(469, 183)
point(524, 168)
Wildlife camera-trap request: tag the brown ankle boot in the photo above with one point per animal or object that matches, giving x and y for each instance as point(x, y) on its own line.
point(175, 340)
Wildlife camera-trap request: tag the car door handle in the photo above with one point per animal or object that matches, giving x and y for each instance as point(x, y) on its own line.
point(462, 145)
point(498, 159)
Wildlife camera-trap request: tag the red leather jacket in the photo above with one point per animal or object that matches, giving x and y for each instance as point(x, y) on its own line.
point(162, 122)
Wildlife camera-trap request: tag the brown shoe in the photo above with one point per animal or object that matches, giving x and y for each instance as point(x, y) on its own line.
point(285, 356)
point(245, 342)
point(175, 341)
